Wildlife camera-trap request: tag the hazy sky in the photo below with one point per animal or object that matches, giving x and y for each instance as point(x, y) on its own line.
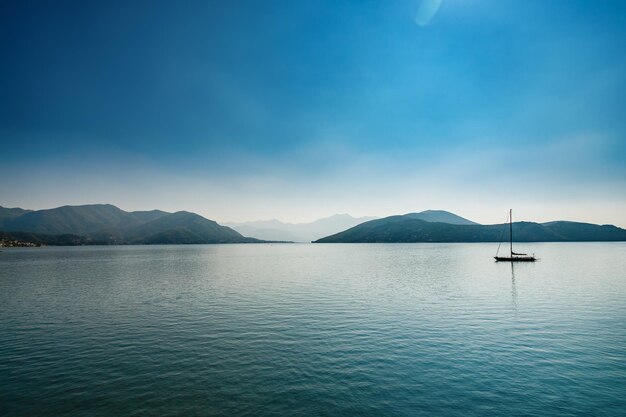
point(301, 109)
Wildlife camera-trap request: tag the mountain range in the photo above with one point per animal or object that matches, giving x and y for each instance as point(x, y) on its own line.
point(297, 232)
point(107, 224)
point(417, 227)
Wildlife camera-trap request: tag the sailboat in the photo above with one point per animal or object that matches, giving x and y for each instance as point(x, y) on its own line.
point(514, 257)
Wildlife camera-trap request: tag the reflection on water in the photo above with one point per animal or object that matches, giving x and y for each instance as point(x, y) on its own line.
point(415, 329)
point(513, 287)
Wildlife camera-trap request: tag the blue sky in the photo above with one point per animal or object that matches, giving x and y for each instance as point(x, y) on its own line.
point(301, 109)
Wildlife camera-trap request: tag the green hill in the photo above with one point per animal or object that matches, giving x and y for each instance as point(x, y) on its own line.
point(8, 214)
point(107, 224)
point(184, 228)
point(79, 220)
point(36, 239)
point(408, 229)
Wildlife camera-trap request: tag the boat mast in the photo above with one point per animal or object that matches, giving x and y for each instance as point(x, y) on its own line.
point(511, 229)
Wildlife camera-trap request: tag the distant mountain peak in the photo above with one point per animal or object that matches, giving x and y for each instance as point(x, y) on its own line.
point(340, 216)
point(440, 216)
point(299, 232)
point(182, 213)
point(431, 211)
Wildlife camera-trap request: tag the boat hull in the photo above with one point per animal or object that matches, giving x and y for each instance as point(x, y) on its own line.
point(515, 258)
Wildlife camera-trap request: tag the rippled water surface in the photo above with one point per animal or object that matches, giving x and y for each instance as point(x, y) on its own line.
point(363, 329)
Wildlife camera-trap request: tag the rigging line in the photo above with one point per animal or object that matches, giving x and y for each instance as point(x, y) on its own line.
point(502, 235)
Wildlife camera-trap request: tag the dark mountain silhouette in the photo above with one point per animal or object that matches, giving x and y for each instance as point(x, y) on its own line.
point(408, 229)
point(107, 224)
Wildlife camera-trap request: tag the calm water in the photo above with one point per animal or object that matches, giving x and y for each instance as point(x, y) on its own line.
point(390, 329)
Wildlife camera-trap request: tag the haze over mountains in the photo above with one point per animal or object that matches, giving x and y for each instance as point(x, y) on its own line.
point(107, 224)
point(298, 232)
